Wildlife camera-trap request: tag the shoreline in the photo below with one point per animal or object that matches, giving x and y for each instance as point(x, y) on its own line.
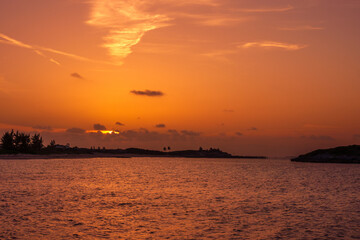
point(102, 155)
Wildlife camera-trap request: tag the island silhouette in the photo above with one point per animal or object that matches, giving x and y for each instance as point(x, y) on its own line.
point(21, 145)
point(343, 154)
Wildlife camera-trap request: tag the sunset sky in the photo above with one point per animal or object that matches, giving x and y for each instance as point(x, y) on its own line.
point(260, 77)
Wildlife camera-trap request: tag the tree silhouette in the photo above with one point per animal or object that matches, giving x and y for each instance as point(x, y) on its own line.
point(7, 141)
point(22, 142)
point(36, 143)
point(52, 144)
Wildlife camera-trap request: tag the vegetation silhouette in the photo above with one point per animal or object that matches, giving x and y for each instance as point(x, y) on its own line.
point(18, 142)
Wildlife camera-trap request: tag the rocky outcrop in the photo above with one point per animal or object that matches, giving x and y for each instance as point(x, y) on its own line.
point(346, 154)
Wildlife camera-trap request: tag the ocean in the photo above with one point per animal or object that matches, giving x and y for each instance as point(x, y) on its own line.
point(178, 198)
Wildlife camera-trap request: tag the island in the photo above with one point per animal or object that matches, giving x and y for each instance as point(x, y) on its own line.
point(19, 145)
point(344, 154)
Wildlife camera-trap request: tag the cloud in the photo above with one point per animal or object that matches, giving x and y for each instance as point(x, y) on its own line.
point(173, 131)
point(190, 133)
point(38, 127)
point(267, 10)
point(75, 131)
point(119, 124)
point(214, 20)
point(318, 138)
point(76, 75)
point(99, 127)
point(253, 129)
point(280, 45)
point(160, 125)
point(148, 93)
point(126, 23)
point(357, 136)
point(239, 134)
point(300, 28)
point(39, 51)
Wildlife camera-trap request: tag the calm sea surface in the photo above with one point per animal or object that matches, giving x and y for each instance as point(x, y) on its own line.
point(160, 198)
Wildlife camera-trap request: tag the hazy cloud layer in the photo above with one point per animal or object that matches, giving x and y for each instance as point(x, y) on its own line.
point(148, 93)
point(38, 127)
point(99, 127)
point(160, 125)
point(318, 138)
point(239, 134)
point(253, 129)
point(357, 136)
point(190, 133)
point(75, 130)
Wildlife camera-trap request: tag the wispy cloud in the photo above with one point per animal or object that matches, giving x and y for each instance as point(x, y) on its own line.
point(213, 20)
point(127, 23)
point(160, 125)
point(267, 10)
point(119, 124)
point(280, 45)
point(300, 28)
point(40, 51)
point(148, 93)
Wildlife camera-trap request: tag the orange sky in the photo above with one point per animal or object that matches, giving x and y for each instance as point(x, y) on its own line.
point(257, 77)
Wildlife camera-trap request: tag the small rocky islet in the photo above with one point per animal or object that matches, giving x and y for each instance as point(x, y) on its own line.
point(343, 154)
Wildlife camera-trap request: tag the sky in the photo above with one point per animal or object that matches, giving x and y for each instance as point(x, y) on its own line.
point(252, 77)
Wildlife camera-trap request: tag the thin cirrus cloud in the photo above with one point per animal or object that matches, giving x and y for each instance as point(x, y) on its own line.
point(269, 45)
point(222, 54)
point(148, 93)
point(267, 10)
point(301, 28)
point(11, 41)
point(4, 39)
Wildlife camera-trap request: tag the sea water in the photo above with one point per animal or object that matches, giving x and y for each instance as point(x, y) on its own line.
point(178, 198)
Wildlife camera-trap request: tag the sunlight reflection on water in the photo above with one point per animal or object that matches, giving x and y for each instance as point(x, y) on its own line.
point(160, 198)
